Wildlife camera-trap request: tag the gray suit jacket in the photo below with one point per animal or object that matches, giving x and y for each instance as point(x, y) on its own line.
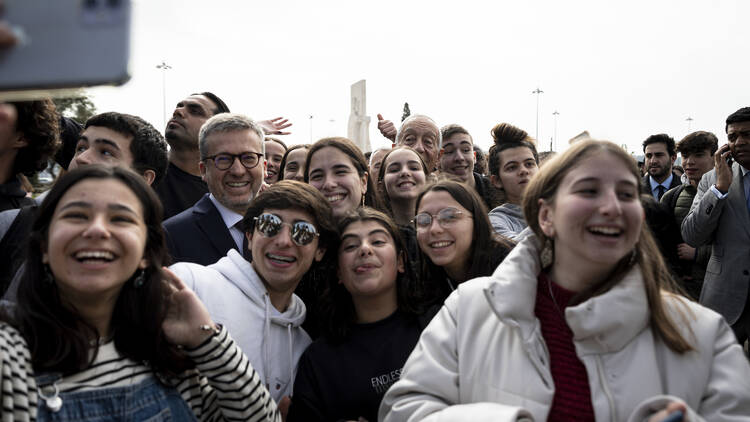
point(726, 222)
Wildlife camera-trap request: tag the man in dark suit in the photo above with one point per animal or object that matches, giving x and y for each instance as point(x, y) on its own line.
point(721, 213)
point(660, 154)
point(233, 166)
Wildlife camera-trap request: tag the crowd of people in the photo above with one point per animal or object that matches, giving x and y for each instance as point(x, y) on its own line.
point(217, 273)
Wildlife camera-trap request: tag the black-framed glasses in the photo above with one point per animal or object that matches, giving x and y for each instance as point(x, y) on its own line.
point(269, 225)
point(445, 217)
point(224, 161)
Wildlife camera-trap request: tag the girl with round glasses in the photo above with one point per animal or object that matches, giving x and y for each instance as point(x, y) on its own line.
point(513, 161)
point(102, 331)
point(339, 170)
point(582, 321)
point(455, 237)
point(371, 322)
point(263, 300)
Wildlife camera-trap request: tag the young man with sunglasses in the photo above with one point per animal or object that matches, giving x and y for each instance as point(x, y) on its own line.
point(289, 228)
point(233, 166)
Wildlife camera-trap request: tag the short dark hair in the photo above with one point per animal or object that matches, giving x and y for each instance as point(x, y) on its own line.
point(698, 141)
point(38, 121)
point(739, 116)
point(449, 130)
point(290, 194)
point(221, 106)
point(147, 145)
point(506, 136)
point(57, 336)
point(661, 138)
point(337, 312)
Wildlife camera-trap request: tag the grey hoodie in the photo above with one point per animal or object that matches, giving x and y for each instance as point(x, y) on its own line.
point(236, 298)
point(508, 220)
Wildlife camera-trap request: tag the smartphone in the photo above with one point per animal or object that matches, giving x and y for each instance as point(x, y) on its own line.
point(729, 156)
point(66, 44)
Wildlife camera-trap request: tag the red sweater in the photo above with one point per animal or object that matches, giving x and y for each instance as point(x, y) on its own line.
point(572, 401)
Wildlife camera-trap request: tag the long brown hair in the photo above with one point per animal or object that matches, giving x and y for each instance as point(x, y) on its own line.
point(656, 276)
point(372, 199)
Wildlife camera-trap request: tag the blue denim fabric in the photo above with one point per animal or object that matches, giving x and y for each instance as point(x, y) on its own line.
point(147, 401)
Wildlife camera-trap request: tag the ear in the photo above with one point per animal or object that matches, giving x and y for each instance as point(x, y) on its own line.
point(545, 218)
point(149, 176)
point(440, 154)
point(496, 182)
point(363, 179)
point(202, 168)
point(319, 254)
point(143, 264)
point(45, 258)
point(674, 157)
point(20, 141)
point(265, 169)
point(400, 267)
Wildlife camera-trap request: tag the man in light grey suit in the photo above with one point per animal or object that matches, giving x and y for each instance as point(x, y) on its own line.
point(721, 213)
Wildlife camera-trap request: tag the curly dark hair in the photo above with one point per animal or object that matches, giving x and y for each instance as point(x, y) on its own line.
point(39, 123)
point(337, 314)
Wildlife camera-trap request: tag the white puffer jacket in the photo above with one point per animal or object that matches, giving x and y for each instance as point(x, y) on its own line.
point(483, 358)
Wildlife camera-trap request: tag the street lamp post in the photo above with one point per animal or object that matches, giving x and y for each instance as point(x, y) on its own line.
point(163, 67)
point(555, 113)
point(537, 91)
point(689, 120)
point(311, 132)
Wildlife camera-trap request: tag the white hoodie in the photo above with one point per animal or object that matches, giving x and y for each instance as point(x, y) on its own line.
point(236, 298)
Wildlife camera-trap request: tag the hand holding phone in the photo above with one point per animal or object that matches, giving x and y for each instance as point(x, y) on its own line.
point(723, 172)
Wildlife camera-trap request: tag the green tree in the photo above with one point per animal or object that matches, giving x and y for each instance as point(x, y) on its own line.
point(407, 112)
point(77, 106)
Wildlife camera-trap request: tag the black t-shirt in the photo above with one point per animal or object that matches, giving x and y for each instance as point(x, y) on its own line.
point(179, 190)
point(348, 380)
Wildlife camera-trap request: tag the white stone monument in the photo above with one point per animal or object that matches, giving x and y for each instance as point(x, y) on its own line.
point(359, 121)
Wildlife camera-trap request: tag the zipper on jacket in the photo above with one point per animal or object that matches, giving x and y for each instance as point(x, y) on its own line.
point(605, 387)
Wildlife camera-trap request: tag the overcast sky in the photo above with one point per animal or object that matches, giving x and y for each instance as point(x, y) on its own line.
point(621, 70)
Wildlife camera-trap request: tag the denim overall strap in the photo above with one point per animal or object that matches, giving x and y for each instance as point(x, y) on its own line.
point(148, 400)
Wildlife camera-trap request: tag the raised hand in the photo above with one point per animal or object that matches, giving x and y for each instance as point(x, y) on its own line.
point(186, 314)
point(387, 128)
point(275, 126)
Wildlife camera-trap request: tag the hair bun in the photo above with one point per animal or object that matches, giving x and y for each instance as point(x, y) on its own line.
point(504, 133)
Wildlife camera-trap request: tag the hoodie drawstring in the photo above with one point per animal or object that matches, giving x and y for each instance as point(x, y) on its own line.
point(266, 336)
point(291, 355)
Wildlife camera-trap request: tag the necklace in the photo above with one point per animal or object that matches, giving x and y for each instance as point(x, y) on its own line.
point(554, 300)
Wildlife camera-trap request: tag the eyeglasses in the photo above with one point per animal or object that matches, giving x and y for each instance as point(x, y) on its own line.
point(445, 217)
point(224, 161)
point(269, 225)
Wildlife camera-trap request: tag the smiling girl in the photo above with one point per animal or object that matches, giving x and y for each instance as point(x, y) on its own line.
point(455, 237)
point(371, 320)
point(103, 331)
point(338, 169)
point(580, 322)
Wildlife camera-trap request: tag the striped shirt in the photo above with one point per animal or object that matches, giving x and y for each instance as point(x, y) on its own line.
point(222, 387)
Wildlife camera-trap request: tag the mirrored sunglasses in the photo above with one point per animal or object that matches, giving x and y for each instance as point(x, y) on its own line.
point(269, 225)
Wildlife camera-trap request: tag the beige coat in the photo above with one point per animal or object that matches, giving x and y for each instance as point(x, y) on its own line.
point(483, 358)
